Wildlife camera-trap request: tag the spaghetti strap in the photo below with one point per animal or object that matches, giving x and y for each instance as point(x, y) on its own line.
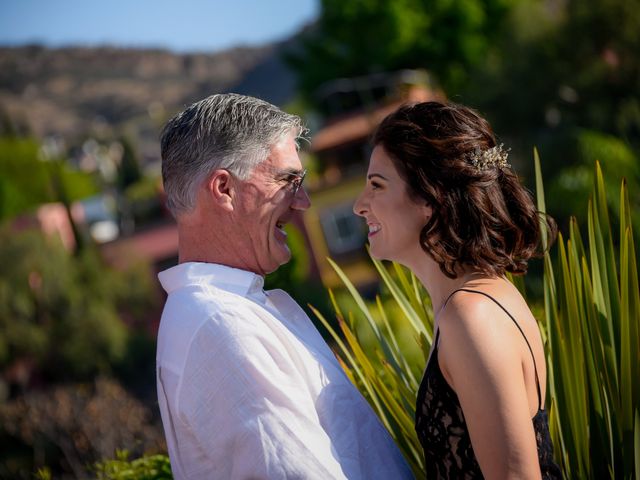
point(535, 368)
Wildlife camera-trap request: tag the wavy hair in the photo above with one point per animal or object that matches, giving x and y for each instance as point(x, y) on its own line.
point(483, 218)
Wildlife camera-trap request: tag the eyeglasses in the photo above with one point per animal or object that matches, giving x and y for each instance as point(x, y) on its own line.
point(294, 181)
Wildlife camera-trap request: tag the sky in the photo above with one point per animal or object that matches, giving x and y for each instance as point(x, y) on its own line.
point(178, 25)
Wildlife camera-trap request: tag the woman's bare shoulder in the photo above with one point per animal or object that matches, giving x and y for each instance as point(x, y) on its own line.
point(474, 328)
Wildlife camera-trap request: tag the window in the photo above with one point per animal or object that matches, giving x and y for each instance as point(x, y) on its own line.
point(343, 231)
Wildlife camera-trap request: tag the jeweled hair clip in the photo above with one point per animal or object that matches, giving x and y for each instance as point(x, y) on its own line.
point(494, 157)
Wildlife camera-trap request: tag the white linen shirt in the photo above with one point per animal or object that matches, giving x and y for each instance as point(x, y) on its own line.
point(247, 387)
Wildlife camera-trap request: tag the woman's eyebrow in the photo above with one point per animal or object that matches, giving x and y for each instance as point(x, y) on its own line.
point(373, 175)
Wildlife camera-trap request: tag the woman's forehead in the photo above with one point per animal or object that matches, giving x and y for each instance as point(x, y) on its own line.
point(381, 163)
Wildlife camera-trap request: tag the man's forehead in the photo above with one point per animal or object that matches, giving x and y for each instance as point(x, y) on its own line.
point(283, 157)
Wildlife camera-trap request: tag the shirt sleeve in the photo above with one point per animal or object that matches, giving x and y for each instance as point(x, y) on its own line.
point(248, 407)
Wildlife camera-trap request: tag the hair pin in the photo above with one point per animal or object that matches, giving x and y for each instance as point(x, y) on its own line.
point(490, 158)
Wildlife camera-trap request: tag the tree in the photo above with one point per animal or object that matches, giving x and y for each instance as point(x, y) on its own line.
point(61, 314)
point(366, 36)
point(561, 67)
point(129, 168)
point(26, 181)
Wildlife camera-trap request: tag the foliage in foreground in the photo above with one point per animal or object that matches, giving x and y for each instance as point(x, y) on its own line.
point(148, 467)
point(151, 467)
point(592, 315)
point(592, 331)
point(71, 426)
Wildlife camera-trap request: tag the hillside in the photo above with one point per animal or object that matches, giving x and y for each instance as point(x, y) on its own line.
point(73, 93)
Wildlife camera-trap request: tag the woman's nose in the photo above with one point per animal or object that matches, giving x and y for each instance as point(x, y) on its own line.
point(359, 207)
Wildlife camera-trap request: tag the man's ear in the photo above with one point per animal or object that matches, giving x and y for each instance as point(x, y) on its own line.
point(220, 189)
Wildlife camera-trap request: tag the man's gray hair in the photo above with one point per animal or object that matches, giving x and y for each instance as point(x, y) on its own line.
point(228, 131)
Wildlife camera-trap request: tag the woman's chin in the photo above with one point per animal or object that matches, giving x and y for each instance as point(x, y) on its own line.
point(379, 255)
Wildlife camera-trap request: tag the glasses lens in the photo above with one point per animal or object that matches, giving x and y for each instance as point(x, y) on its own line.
point(297, 183)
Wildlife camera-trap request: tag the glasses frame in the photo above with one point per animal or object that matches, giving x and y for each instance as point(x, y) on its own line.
point(296, 183)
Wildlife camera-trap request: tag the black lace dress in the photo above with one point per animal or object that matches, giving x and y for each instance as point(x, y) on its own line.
point(443, 432)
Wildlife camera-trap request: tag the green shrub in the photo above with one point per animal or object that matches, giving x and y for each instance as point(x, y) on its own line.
point(592, 317)
point(152, 467)
point(69, 427)
point(62, 313)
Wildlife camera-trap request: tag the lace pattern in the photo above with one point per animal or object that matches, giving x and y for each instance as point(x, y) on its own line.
point(442, 431)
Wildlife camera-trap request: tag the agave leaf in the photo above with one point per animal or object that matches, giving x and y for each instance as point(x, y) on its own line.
point(636, 443)
point(409, 285)
point(601, 294)
point(602, 418)
point(335, 304)
point(573, 391)
point(601, 204)
point(355, 295)
point(626, 379)
point(350, 361)
point(629, 294)
point(404, 370)
point(369, 374)
point(593, 350)
point(363, 308)
point(518, 282)
point(540, 198)
point(413, 317)
point(399, 414)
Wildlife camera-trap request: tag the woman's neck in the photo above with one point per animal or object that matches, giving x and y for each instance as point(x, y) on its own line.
point(438, 285)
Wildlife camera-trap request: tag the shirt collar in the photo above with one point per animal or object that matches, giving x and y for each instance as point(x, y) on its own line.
point(231, 279)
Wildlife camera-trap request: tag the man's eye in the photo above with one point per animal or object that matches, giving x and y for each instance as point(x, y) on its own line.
point(292, 180)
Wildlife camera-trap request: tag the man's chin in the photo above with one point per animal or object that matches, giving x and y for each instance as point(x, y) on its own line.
point(284, 256)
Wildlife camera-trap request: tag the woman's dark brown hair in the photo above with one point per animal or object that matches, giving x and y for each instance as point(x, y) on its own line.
point(483, 218)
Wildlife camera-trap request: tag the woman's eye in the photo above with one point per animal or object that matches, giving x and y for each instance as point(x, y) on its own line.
point(375, 185)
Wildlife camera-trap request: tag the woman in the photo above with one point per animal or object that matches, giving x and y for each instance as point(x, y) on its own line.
point(441, 199)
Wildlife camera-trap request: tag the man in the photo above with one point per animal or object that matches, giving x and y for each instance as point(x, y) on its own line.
point(247, 387)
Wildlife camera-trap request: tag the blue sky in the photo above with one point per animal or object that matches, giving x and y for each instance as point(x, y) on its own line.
point(180, 25)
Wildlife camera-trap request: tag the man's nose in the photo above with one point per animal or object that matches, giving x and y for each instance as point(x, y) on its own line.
point(301, 201)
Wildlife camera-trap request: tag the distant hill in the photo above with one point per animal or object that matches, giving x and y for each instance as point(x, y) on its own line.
point(74, 93)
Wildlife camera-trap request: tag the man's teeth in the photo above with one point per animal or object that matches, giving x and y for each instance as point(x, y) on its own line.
point(374, 228)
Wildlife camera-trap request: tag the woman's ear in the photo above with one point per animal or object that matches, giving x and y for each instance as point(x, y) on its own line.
point(220, 188)
point(428, 211)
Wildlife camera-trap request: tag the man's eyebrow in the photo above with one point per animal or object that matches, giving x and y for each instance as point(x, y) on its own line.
point(374, 175)
point(289, 171)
